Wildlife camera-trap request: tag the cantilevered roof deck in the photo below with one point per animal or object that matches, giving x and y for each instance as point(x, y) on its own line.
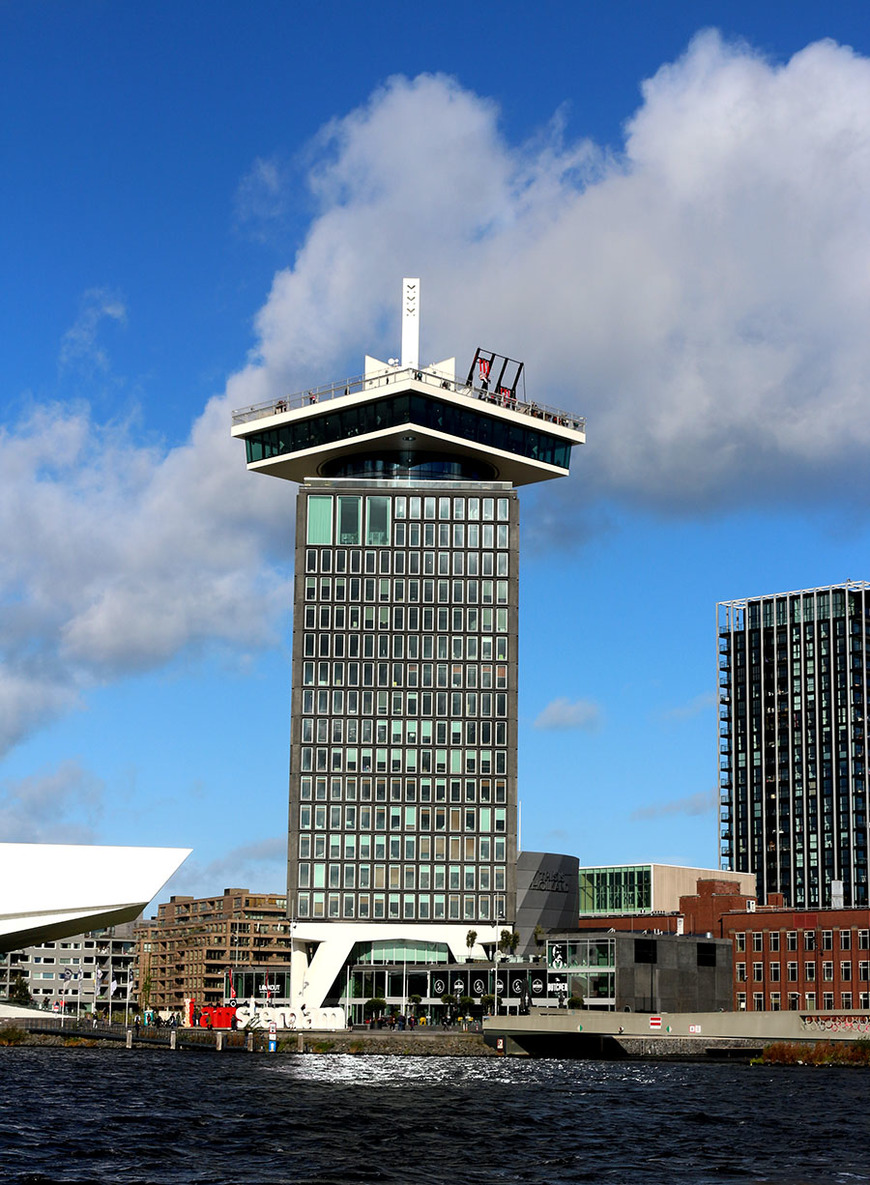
point(408, 409)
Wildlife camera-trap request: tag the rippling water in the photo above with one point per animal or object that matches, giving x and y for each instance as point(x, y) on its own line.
point(153, 1116)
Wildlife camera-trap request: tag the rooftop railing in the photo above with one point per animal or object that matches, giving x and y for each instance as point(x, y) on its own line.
point(362, 383)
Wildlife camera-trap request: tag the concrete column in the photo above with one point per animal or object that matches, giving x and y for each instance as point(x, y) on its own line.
point(218, 1041)
point(172, 1036)
point(129, 1038)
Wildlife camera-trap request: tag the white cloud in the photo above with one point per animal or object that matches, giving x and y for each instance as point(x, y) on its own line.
point(39, 809)
point(260, 866)
point(702, 803)
point(80, 348)
point(116, 557)
point(581, 714)
point(702, 297)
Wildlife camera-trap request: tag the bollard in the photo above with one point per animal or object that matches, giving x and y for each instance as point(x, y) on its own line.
point(172, 1036)
point(129, 1038)
point(249, 1041)
point(218, 1041)
point(300, 1043)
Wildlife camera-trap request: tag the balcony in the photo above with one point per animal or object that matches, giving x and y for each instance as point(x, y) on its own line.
point(361, 384)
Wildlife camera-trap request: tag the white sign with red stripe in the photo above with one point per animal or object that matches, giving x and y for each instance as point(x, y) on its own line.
point(655, 1022)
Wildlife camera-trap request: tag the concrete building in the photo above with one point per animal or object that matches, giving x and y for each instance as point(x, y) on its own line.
point(793, 684)
point(403, 776)
point(643, 972)
point(643, 889)
point(547, 898)
point(80, 972)
point(210, 949)
point(782, 958)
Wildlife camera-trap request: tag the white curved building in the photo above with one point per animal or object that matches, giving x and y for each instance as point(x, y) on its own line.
point(50, 891)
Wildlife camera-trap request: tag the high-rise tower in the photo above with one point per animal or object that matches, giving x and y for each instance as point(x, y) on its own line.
point(403, 772)
point(793, 684)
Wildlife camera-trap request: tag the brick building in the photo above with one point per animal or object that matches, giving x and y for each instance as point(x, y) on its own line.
point(786, 959)
point(195, 947)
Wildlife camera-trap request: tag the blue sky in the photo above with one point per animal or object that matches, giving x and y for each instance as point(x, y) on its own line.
point(660, 207)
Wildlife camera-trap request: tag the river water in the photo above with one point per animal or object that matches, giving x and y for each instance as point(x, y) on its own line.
point(149, 1117)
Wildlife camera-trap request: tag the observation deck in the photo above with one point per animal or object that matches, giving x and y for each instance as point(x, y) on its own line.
point(409, 422)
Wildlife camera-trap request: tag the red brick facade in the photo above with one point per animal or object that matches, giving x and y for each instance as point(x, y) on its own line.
point(800, 961)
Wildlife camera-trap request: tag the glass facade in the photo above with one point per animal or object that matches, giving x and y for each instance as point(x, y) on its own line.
point(623, 889)
point(403, 769)
point(468, 424)
point(793, 672)
point(590, 967)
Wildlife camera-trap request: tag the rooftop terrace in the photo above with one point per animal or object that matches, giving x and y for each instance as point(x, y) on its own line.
point(392, 376)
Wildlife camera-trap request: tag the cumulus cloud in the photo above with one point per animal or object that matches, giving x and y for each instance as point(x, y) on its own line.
point(260, 866)
point(39, 809)
point(117, 556)
point(81, 349)
point(702, 803)
point(701, 294)
point(562, 714)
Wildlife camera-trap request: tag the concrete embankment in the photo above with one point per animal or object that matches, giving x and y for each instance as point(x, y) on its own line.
point(359, 1042)
point(414, 1044)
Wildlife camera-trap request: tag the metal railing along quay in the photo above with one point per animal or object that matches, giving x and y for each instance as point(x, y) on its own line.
point(164, 1037)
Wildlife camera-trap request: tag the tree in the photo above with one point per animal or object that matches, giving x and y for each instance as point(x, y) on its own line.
point(415, 1001)
point(508, 942)
point(540, 936)
point(470, 939)
point(487, 1002)
point(466, 1003)
point(19, 992)
point(449, 1001)
point(374, 1007)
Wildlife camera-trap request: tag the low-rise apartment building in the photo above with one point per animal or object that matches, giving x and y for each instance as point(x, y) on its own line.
point(85, 972)
point(210, 949)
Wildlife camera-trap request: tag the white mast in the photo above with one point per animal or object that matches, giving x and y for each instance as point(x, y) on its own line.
point(410, 323)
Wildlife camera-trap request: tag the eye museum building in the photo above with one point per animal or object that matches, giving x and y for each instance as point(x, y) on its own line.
point(403, 770)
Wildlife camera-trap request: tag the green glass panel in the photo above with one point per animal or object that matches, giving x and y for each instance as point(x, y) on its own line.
point(320, 519)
